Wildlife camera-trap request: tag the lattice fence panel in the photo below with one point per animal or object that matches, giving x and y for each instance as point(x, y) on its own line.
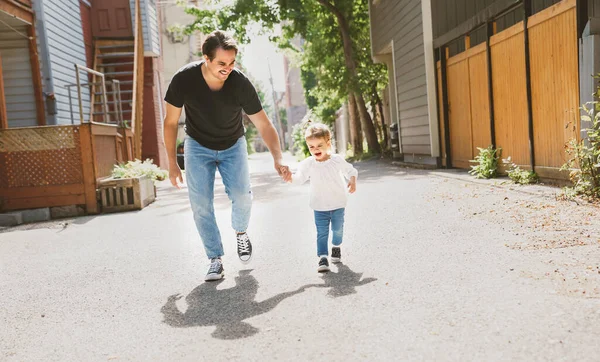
point(40, 156)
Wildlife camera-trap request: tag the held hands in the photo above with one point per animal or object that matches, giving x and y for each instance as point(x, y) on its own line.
point(175, 175)
point(283, 171)
point(352, 185)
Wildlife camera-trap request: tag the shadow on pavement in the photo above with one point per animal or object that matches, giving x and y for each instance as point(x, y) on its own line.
point(343, 282)
point(228, 308)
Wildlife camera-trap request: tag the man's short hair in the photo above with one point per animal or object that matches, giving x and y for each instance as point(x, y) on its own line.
point(218, 39)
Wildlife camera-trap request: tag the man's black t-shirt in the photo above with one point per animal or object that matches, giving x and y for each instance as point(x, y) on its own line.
point(213, 118)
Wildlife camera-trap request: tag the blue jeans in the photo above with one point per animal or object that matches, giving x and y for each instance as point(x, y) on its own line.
point(200, 167)
point(322, 220)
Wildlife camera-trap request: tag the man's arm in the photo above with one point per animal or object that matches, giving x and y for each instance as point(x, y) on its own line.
point(170, 136)
point(271, 139)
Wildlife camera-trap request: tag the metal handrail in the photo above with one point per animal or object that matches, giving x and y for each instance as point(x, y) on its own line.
point(116, 91)
point(80, 68)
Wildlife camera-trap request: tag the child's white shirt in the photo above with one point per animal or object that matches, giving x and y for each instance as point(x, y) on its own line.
point(328, 190)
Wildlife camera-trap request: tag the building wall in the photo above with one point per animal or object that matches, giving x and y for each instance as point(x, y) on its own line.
point(295, 103)
point(152, 141)
point(594, 8)
point(448, 14)
point(342, 131)
point(16, 71)
point(176, 52)
point(150, 26)
point(397, 28)
point(65, 47)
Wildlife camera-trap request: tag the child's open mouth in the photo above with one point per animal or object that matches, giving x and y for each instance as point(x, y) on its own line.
point(318, 154)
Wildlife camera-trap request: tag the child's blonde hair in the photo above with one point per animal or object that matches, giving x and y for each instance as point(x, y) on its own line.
point(317, 130)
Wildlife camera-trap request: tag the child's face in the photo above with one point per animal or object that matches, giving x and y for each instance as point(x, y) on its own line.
point(319, 147)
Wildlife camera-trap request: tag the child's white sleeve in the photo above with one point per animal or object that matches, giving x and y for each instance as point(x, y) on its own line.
point(302, 174)
point(347, 169)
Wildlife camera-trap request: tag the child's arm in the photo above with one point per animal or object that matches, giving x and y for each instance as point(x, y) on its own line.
point(349, 173)
point(302, 174)
point(352, 185)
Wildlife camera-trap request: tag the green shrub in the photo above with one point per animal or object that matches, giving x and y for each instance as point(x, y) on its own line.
point(299, 141)
point(486, 162)
point(584, 162)
point(138, 168)
point(519, 176)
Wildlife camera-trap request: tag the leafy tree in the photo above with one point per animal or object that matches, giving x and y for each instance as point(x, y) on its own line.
point(336, 63)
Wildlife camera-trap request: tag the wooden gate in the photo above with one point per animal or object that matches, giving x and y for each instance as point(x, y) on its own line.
point(554, 77)
point(468, 105)
point(509, 83)
point(554, 84)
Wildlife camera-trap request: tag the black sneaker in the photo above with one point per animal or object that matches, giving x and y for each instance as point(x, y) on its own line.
point(323, 265)
point(215, 270)
point(244, 248)
point(336, 254)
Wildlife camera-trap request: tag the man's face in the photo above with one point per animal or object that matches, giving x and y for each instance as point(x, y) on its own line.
point(222, 65)
point(319, 148)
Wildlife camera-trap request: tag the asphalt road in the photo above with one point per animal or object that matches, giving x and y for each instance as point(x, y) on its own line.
point(435, 267)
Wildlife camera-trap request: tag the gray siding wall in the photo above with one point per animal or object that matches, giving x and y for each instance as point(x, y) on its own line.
point(594, 8)
point(448, 14)
point(400, 22)
point(18, 80)
point(65, 48)
point(150, 26)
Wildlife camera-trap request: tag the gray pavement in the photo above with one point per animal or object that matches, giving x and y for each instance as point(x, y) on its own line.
point(436, 267)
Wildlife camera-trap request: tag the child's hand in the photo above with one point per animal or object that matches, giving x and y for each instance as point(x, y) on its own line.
point(352, 185)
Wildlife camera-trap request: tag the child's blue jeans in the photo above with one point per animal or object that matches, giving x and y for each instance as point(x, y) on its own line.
point(322, 221)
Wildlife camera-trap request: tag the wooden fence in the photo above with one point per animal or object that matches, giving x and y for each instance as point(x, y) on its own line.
point(58, 165)
point(553, 76)
point(510, 94)
point(468, 104)
point(554, 84)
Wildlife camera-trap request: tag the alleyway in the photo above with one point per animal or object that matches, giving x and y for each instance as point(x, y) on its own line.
point(436, 266)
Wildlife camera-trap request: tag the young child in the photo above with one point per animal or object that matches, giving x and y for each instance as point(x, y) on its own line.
point(328, 194)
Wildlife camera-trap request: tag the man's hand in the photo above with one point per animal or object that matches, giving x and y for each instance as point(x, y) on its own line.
point(283, 171)
point(175, 175)
point(352, 185)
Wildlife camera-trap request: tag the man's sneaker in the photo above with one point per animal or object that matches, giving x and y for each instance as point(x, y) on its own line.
point(215, 270)
point(336, 254)
point(323, 265)
point(244, 248)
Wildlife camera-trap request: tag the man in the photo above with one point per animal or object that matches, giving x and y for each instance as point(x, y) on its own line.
point(214, 94)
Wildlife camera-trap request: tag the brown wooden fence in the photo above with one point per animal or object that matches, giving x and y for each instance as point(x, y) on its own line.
point(468, 105)
point(553, 74)
point(58, 165)
point(554, 84)
point(510, 94)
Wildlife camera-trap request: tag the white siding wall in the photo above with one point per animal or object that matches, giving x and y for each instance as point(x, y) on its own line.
point(18, 83)
point(64, 31)
point(149, 26)
point(400, 22)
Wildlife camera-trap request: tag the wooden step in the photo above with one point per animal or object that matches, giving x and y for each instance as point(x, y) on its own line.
point(116, 74)
point(105, 65)
point(116, 46)
point(116, 55)
point(124, 101)
point(112, 112)
point(109, 93)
